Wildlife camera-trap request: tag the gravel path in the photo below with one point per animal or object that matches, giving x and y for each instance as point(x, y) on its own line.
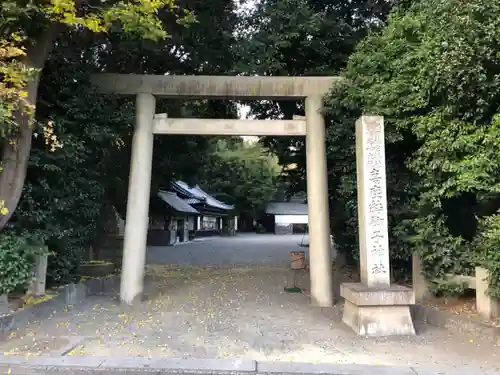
point(238, 312)
point(245, 249)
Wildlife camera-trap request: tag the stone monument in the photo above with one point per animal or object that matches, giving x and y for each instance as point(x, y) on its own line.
point(374, 307)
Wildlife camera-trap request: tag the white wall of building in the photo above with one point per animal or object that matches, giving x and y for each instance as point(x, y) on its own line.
point(190, 223)
point(291, 219)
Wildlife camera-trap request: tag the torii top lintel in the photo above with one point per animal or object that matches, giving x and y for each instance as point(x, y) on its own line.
point(222, 87)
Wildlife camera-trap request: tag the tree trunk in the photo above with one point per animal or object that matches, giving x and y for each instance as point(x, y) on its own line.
point(16, 149)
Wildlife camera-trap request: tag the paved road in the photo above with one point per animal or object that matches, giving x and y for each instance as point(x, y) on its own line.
point(244, 249)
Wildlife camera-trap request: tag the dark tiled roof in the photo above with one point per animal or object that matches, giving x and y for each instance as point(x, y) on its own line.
point(198, 193)
point(286, 208)
point(176, 203)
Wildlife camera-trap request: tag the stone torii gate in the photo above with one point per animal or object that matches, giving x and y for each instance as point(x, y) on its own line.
point(373, 307)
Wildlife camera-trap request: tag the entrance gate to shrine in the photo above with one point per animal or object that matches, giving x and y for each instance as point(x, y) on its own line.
point(373, 307)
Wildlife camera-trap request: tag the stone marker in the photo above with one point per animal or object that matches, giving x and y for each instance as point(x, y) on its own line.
point(5, 308)
point(488, 306)
point(40, 275)
point(374, 307)
point(419, 282)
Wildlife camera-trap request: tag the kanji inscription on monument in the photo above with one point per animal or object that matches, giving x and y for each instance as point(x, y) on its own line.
point(372, 202)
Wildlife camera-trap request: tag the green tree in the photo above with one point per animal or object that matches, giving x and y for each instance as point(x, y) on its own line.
point(27, 34)
point(242, 174)
point(432, 72)
point(72, 177)
point(205, 47)
point(308, 37)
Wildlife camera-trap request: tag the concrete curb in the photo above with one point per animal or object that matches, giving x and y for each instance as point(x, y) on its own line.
point(294, 368)
point(70, 294)
point(139, 365)
point(455, 323)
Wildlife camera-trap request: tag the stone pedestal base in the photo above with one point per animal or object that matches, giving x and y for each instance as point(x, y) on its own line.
point(378, 312)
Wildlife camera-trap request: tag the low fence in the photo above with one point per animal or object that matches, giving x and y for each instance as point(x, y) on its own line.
point(487, 306)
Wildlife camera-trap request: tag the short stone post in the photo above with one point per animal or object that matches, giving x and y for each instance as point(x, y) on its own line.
point(40, 275)
point(487, 306)
point(419, 282)
point(185, 230)
point(5, 307)
point(374, 307)
point(172, 228)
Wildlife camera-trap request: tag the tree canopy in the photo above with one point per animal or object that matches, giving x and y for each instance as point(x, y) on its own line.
point(28, 31)
point(308, 37)
point(432, 73)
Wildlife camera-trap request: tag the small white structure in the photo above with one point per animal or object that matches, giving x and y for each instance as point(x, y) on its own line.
point(289, 217)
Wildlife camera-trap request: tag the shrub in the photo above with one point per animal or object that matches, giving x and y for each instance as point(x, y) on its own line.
point(17, 255)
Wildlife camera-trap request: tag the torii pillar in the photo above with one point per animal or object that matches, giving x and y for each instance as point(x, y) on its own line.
point(136, 222)
point(320, 259)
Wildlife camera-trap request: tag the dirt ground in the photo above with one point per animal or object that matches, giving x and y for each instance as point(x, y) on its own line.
point(235, 312)
point(225, 298)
